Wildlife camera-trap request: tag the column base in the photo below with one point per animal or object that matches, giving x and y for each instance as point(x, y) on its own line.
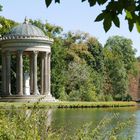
point(28, 98)
point(48, 98)
point(19, 94)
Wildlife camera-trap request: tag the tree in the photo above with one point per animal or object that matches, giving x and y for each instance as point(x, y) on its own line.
point(6, 25)
point(119, 63)
point(58, 69)
point(113, 9)
point(49, 29)
point(96, 49)
point(79, 83)
point(122, 48)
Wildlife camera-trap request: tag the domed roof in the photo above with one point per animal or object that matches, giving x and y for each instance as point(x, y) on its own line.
point(26, 29)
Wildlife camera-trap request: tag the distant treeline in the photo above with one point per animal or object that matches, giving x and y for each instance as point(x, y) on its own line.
point(81, 68)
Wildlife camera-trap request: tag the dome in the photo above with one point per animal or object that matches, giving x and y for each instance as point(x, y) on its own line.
point(26, 30)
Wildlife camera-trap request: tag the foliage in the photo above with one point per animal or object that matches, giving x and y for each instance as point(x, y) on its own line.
point(119, 63)
point(34, 123)
point(6, 25)
point(84, 52)
point(24, 124)
point(70, 104)
point(112, 11)
point(58, 69)
point(105, 131)
point(123, 49)
point(96, 49)
point(49, 29)
point(79, 84)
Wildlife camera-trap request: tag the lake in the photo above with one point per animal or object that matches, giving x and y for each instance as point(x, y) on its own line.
point(72, 119)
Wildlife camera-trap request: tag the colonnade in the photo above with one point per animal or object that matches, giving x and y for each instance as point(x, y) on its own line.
point(45, 73)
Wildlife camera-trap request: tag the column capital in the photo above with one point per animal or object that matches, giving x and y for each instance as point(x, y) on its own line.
point(35, 52)
point(19, 51)
point(45, 54)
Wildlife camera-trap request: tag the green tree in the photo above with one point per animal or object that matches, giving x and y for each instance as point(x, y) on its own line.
point(58, 69)
point(122, 48)
point(49, 29)
point(79, 83)
point(96, 49)
point(84, 49)
point(6, 25)
point(119, 63)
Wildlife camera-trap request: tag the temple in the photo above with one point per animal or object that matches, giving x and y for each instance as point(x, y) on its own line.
point(26, 40)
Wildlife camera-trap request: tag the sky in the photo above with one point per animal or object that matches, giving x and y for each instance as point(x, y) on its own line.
point(71, 15)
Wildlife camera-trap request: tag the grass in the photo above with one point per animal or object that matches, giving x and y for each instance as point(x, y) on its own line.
point(69, 104)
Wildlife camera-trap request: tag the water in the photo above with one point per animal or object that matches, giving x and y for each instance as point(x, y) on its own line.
point(72, 119)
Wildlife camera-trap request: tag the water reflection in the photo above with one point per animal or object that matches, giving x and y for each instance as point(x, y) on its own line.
point(47, 113)
point(72, 119)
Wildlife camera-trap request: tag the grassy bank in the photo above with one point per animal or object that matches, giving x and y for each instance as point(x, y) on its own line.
point(69, 104)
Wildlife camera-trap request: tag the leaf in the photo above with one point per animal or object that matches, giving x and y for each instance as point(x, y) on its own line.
point(138, 26)
point(0, 7)
point(92, 2)
point(57, 1)
point(100, 17)
point(101, 2)
point(130, 24)
point(107, 23)
point(48, 2)
point(116, 21)
point(128, 15)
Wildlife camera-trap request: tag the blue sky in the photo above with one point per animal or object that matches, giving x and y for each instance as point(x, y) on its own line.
point(70, 14)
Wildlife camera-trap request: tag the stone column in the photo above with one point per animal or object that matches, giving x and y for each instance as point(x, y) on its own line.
point(8, 73)
point(47, 74)
point(35, 87)
point(42, 74)
point(31, 73)
point(3, 74)
point(19, 72)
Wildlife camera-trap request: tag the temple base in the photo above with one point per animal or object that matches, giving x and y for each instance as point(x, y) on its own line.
point(28, 98)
